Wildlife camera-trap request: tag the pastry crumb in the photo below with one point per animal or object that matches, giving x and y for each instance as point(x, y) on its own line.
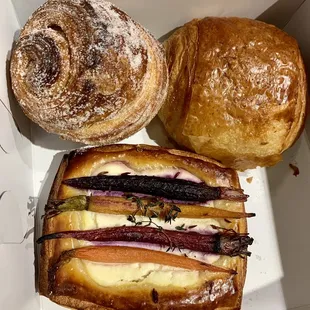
point(295, 170)
point(249, 180)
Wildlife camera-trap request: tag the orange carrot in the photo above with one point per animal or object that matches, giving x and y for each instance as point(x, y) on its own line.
point(127, 255)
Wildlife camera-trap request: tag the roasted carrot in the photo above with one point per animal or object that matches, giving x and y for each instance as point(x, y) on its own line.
point(121, 205)
point(169, 188)
point(223, 243)
point(128, 255)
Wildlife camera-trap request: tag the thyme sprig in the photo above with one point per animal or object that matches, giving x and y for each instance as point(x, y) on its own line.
point(172, 214)
point(180, 227)
point(147, 209)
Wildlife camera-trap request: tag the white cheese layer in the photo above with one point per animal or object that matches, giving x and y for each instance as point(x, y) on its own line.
point(93, 220)
point(118, 168)
point(142, 273)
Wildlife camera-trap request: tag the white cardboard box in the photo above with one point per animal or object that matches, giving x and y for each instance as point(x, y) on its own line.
point(278, 272)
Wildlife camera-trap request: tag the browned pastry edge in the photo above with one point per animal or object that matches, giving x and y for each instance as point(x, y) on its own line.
point(228, 303)
point(46, 249)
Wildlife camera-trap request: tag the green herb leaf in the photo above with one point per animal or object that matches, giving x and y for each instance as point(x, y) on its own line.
point(180, 227)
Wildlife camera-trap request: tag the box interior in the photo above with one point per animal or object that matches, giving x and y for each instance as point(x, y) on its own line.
point(30, 159)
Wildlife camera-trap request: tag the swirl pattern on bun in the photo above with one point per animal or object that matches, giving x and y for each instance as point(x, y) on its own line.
point(85, 70)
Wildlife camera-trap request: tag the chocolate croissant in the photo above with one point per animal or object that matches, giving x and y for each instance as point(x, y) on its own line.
point(114, 237)
point(237, 90)
point(85, 70)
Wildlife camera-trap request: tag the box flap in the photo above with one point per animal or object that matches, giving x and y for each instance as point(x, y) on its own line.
point(289, 193)
point(161, 16)
point(280, 13)
point(16, 186)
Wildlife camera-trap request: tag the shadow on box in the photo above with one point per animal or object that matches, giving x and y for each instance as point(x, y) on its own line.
point(290, 201)
point(289, 197)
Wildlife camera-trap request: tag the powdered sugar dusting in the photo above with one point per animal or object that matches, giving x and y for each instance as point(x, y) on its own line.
point(83, 62)
point(120, 26)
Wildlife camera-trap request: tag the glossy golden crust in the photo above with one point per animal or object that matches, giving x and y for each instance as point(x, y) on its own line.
point(84, 162)
point(86, 71)
point(237, 90)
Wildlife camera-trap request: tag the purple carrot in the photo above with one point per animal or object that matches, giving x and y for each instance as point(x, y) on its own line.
point(157, 186)
point(223, 243)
